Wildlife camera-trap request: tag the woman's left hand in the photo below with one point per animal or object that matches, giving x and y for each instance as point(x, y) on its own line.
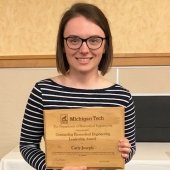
point(124, 147)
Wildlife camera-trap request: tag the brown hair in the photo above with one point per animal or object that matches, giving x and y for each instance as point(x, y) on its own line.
point(94, 14)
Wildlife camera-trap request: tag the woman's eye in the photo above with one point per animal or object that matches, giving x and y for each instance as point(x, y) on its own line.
point(74, 40)
point(94, 40)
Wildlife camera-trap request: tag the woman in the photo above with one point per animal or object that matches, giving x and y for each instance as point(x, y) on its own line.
point(84, 55)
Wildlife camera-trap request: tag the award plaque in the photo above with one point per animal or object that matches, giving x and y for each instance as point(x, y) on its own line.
point(84, 137)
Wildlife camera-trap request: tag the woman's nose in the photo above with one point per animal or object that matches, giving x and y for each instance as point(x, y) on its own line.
point(84, 48)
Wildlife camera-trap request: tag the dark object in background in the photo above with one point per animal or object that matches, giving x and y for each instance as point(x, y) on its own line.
point(152, 118)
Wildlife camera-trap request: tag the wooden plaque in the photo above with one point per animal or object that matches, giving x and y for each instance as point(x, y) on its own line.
point(85, 136)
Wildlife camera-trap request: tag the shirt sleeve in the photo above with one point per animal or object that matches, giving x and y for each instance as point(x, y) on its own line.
point(130, 132)
point(32, 130)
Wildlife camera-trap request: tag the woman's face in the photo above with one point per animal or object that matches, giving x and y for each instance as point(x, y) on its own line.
point(83, 59)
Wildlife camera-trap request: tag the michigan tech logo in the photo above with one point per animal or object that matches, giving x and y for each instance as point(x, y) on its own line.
point(64, 119)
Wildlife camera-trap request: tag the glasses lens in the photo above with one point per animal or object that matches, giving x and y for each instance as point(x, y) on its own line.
point(94, 42)
point(74, 42)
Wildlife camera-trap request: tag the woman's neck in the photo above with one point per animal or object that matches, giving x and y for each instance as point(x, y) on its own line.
point(83, 81)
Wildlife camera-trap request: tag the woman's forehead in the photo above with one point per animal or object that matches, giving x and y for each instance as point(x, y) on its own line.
point(81, 26)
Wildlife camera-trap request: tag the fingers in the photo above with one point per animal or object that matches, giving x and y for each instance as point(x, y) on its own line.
point(124, 147)
point(75, 168)
point(78, 168)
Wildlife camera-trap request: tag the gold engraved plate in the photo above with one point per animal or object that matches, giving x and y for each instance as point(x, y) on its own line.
point(84, 137)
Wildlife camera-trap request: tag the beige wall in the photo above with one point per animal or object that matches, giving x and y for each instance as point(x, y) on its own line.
point(138, 26)
point(146, 80)
point(14, 89)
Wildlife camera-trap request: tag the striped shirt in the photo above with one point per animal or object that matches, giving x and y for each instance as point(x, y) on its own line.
point(47, 95)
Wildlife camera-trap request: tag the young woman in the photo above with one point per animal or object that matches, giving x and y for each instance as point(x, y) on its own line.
point(84, 55)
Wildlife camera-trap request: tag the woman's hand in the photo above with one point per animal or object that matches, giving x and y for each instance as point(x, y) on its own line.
point(75, 168)
point(124, 147)
point(78, 168)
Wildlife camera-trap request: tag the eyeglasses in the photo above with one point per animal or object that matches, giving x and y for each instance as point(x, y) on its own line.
point(75, 42)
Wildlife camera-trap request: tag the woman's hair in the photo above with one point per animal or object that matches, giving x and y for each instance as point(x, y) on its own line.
point(94, 14)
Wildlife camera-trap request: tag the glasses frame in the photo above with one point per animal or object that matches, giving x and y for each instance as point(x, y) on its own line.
point(84, 40)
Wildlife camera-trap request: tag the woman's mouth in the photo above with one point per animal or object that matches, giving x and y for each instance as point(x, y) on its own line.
point(84, 60)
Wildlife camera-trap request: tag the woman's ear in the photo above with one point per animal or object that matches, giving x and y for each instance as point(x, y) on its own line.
point(105, 47)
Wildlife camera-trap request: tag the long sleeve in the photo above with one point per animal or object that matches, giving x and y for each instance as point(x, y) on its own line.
point(32, 131)
point(130, 133)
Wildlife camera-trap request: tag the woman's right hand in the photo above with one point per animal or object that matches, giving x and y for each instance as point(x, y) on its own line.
point(74, 168)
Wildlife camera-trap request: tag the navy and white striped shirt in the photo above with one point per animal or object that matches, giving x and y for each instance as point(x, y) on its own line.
point(47, 94)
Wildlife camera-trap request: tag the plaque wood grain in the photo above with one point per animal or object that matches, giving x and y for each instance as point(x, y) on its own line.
point(84, 136)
